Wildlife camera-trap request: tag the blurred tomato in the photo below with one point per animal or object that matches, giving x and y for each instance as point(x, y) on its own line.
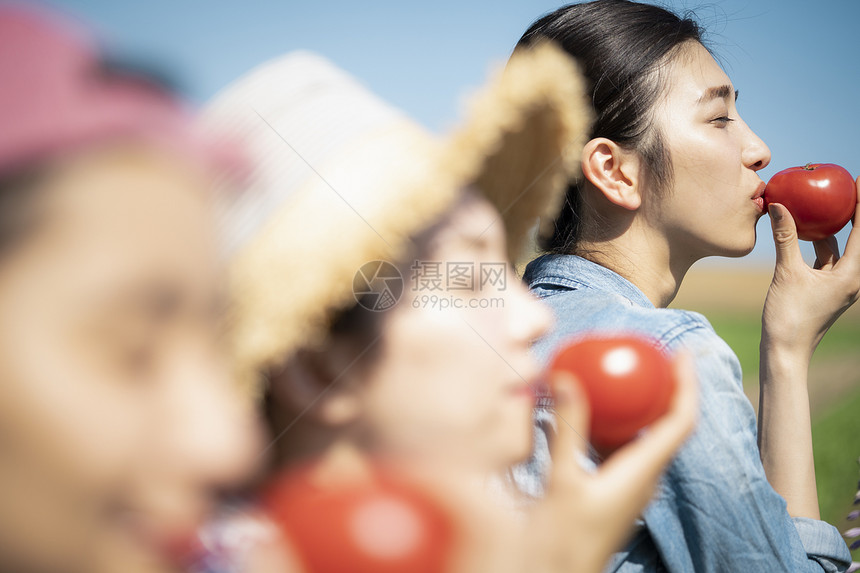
point(382, 525)
point(627, 379)
point(820, 196)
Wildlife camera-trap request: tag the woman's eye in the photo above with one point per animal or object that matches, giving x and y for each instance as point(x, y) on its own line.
point(722, 121)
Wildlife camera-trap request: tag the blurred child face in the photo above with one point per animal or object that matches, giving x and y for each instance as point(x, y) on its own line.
point(116, 422)
point(454, 376)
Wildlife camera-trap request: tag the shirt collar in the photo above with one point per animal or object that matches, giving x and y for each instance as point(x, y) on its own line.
point(573, 272)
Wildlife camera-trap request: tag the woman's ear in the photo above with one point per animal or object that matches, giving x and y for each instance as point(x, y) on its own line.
point(307, 386)
point(614, 171)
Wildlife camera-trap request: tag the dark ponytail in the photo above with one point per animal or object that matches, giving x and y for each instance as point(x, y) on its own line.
point(621, 47)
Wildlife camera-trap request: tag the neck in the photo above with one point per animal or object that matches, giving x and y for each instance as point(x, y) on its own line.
point(649, 262)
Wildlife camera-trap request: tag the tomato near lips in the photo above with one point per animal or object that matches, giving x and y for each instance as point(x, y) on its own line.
point(820, 197)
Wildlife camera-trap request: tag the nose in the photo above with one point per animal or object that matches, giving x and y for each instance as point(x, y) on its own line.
point(529, 317)
point(207, 440)
point(215, 428)
point(756, 153)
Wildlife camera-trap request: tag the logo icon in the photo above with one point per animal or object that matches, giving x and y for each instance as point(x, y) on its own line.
point(377, 285)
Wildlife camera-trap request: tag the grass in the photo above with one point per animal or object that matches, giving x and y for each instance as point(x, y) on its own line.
point(836, 439)
point(743, 333)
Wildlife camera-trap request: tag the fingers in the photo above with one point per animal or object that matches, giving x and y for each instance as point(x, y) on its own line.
point(648, 456)
point(826, 252)
point(851, 256)
point(784, 237)
point(572, 419)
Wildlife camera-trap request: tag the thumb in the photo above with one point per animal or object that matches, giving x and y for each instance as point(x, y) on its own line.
point(784, 236)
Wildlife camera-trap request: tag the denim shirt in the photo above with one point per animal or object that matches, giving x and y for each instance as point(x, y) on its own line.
point(714, 509)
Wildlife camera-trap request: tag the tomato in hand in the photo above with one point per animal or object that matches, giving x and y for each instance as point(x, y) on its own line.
point(820, 196)
point(628, 380)
point(380, 525)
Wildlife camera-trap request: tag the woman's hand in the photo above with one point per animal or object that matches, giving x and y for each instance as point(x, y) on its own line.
point(802, 302)
point(585, 517)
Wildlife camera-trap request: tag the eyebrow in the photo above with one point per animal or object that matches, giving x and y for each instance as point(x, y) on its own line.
point(718, 92)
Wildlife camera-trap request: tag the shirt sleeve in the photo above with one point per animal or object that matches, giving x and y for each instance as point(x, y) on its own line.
point(716, 510)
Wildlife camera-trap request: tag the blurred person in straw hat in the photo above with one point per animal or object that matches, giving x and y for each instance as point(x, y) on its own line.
point(369, 350)
point(119, 423)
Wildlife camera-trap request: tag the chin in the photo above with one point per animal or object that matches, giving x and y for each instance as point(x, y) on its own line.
point(740, 252)
point(741, 247)
point(747, 248)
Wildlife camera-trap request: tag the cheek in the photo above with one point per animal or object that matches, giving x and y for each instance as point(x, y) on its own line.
point(439, 387)
point(456, 347)
point(58, 408)
point(708, 196)
point(65, 409)
point(67, 448)
point(429, 365)
point(708, 161)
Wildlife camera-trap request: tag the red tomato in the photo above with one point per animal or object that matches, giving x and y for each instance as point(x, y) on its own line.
point(820, 196)
point(628, 381)
point(384, 525)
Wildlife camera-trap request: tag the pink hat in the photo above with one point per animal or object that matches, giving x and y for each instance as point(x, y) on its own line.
point(57, 95)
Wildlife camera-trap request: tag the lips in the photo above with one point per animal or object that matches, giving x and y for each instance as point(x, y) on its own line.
point(524, 391)
point(758, 197)
point(176, 545)
point(528, 386)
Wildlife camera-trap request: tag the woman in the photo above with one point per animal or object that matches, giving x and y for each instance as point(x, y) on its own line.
point(353, 206)
point(119, 424)
point(670, 177)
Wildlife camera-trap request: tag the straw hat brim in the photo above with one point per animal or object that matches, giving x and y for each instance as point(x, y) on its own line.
point(519, 145)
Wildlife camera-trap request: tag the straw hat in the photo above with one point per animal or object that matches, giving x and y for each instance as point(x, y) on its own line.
point(342, 178)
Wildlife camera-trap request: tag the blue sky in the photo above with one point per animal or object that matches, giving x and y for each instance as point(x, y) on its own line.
point(796, 64)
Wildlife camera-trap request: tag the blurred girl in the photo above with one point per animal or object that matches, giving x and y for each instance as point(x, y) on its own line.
point(363, 259)
point(119, 425)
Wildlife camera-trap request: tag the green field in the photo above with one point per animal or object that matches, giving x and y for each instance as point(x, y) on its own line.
point(835, 437)
point(743, 333)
